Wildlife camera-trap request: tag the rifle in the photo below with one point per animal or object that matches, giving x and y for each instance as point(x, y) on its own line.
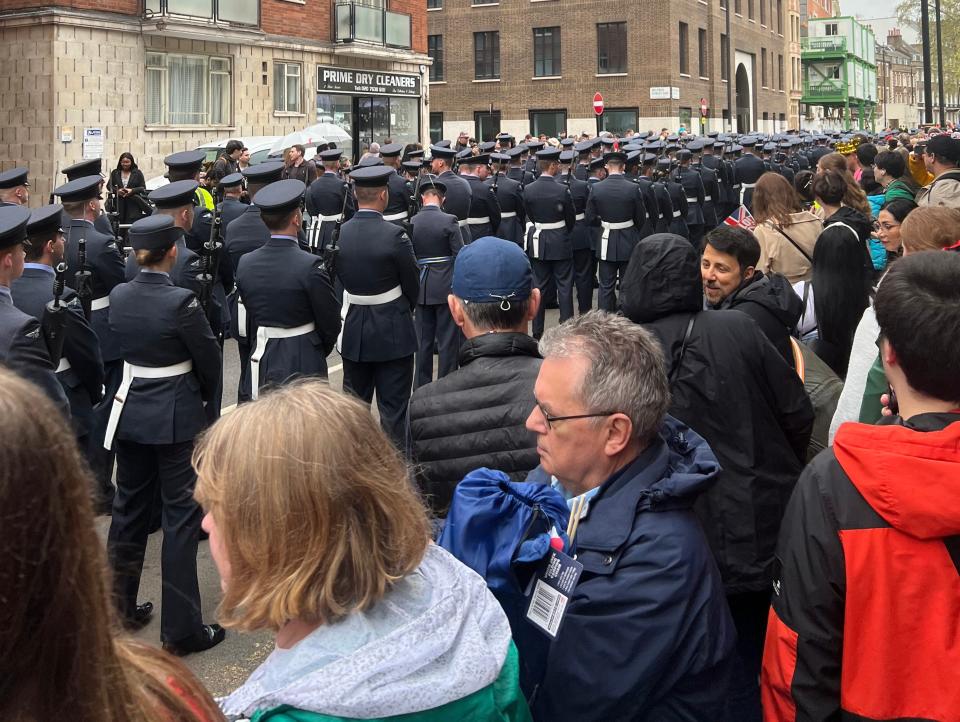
point(211, 252)
point(113, 216)
point(83, 278)
point(54, 322)
point(413, 206)
point(330, 252)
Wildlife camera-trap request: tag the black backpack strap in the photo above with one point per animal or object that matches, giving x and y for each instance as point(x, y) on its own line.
point(953, 548)
point(675, 372)
point(793, 243)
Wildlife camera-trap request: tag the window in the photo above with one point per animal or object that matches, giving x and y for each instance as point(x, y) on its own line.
point(685, 115)
point(487, 125)
point(684, 49)
point(780, 17)
point(486, 55)
point(702, 52)
point(435, 51)
point(619, 120)
point(434, 4)
point(187, 90)
point(549, 122)
point(780, 72)
point(241, 12)
point(835, 72)
point(546, 52)
point(436, 127)
point(724, 57)
point(763, 12)
point(611, 48)
point(763, 67)
point(723, 4)
point(485, 2)
point(750, 9)
point(738, 7)
point(831, 29)
point(286, 87)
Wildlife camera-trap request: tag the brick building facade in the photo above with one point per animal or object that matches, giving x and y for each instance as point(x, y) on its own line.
point(534, 65)
point(143, 77)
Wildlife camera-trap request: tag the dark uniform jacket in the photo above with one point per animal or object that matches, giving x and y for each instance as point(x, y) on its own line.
point(581, 238)
point(711, 195)
point(283, 286)
point(246, 233)
point(692, 183)
point(510, 200)
point(375, 257)
point(157, 324)
point(83, 381)
point(678, 199)
point(230, 210)
point(457, 200)
point(725, 190)
point(616, 199)
point(183, 274)
point(521, 176)
point(23, 351)
point(195, 239)
point(398, 199)
point(664, 210)
point(435, 235)
point(547, 200)
point(760, 439)
point(749, 169)
point(483, 204)
point(105, 263)
point(325, 197)
point(475, 416)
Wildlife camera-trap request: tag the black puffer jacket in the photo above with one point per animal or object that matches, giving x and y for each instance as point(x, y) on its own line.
point(475, 416)
point(771, 302)
point(733, 389)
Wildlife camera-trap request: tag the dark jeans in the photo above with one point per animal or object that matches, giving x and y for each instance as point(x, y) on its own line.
point(140, 469)
point(749, 611)
point(562, 273)
point(392, 381)
point(434, 322)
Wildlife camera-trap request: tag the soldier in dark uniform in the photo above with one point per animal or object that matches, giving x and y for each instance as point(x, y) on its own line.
point(398, 204)
point(749, 169)
point(83, 169)
point(171, 366)
point(381, 283)
point(582, 169)
point(650, 204)
point(617, 206)
point(530, 164)
point(436, 241)
point(551, 216)
point(581, 238)
point(730, 153)
point(22, 346)
point(516, 171)
point(711, 187)
point(14, 187)
point(664, 216)
point(293, 317)
point(459, 193)
point(692, 184)
point(79, 367)
point(509, 199)
point(785, 161)
point(484, 218)
point(506, 142)
point(710, 159)
point(329, 199)
point(678, 199)
point(231, 207)
point(104, 262)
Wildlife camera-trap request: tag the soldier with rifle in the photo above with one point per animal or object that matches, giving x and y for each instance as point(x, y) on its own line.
point(509, 195)
point(458, 196)
point(581, 237)
point(83, 169)
point(397, 210)
point(329, 200)
point(484, 218)
point(72, 345)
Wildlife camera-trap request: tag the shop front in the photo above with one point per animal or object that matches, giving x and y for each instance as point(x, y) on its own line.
point(369, 106)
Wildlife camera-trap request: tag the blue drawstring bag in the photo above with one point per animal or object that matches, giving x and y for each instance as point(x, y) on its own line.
point(501, 530)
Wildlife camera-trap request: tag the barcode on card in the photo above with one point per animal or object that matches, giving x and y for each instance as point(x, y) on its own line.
point(546, 608)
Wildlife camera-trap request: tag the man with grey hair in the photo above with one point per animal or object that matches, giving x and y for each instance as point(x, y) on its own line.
point(647, 634)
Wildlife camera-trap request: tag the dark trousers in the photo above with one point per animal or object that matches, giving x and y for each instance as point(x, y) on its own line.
point(243, 387)
point(610, 271)
point(392, 381)
point(562, 273)
point(584, 269)
point(140, 469)
point(697, 231)
point(434, 323)
point(100, 459)
point(749, 611)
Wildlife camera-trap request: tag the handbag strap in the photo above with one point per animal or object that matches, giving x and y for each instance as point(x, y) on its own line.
point(675, 372)
point(793, 243)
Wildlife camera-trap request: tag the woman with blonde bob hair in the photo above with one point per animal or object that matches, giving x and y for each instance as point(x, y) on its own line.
point(786, 232)
point(930, 228)
point(319, 535)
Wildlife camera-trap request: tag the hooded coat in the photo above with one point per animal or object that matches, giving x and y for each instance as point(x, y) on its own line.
point(733, 389)
point(867, 591)
point(852, 220)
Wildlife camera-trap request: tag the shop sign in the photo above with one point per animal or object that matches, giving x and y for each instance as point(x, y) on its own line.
point(366, 82)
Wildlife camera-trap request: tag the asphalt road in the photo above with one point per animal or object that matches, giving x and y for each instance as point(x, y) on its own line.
point(226, 666)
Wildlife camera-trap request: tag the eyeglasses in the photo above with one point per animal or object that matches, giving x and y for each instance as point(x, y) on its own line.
point(552, 419)
point(878, 226)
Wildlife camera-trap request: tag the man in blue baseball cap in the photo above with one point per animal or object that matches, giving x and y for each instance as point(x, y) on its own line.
point(475, 416)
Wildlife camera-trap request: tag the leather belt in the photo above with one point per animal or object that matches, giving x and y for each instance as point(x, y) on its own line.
point(131, 372)
point(351, 299)
point(264, 334)
point(537, 228)
point(605, 236)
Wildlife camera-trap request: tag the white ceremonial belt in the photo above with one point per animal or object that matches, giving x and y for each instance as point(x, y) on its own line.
point(241, 318)
point(480, 220)
point(743, 190)
point(131, 372)
point(333, 219)
point(508, 214)
point(707, 199)
point(396, 217)
point(677, 214)
point(693, 200)
point(581, 216)
point(352, 299)
point(432, 261)
point(64, 365)
point(264, 334)
point(98, 304)
point(537, 227)
point(464, 222)
point(605, 236)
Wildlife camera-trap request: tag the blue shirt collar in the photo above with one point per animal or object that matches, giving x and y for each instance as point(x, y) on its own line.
point(286, 238)
point(40, 267)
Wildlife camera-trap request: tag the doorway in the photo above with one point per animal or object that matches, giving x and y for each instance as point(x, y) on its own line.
point(744, 121)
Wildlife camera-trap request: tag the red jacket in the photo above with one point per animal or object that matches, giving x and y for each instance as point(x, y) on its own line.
point(865, 623)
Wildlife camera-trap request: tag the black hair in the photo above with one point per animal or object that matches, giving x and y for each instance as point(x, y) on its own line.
point(491, 317)
point(151, 256)
point(126, 154)
point(277, 221)
point(868, 181)
point(233, 145)
point(899, 208)
point(891, 162)
point(803, 184)
point(866, 152)
point(842, 275)
point(737, 242)
point(829, 187)
point(918, 311)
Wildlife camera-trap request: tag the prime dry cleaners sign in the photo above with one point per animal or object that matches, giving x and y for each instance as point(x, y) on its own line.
point(365, 82)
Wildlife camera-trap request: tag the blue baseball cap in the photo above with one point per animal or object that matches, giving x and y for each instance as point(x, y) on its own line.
point(491, 269)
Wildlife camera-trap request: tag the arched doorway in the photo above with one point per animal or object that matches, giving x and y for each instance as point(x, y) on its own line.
point(744, 121)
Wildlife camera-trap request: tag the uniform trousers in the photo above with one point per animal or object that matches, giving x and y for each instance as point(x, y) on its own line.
point(584, 269)
point(697, 231)
point(561, 272)
point(392, 382)
point(610, 272)
point(243, 387)
point(434, 322)
point(141, 468)
point(100, 459)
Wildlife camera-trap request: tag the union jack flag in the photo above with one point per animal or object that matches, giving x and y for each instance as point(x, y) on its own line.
point(741, 218)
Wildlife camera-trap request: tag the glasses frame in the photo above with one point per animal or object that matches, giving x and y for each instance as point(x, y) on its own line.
point(551, 419)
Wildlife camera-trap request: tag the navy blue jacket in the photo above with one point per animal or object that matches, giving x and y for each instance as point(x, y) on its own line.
point(457, 200)
point(548, 200)
point(325, 197)
point(617, 199)
point(647, 634)
point(435, 235)
point(693, 190)
point(483, 204)
point(510, 199)
point(244, 234)
point(749, 169)
point(581, 238)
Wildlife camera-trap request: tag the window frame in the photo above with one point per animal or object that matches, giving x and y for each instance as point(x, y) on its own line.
point(724, 57)
point(703, 60)
point(286, 64)
point(610, 112)
point(434, 4)
point(540, 39)
point(605, 45)
point(436, 73)
point(163, 70)
point(493, 51)
point(683, 40)
point(438, 115)
point(534, 130)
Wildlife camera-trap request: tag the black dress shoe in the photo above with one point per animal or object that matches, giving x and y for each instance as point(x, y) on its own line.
point(210, 636)
point(141, 617)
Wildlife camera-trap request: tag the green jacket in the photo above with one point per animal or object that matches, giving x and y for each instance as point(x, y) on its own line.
point(898, 189)
point(501, 701)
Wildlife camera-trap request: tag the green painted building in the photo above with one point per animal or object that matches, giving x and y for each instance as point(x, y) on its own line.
point(840, 71)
